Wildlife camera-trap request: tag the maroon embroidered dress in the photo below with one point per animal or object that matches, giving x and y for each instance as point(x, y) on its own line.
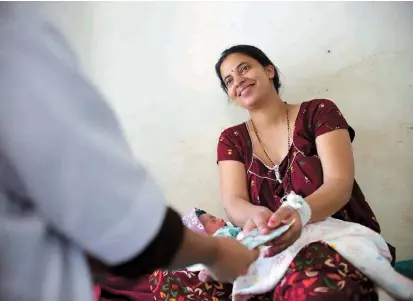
point(314, 118)
point(318, 272)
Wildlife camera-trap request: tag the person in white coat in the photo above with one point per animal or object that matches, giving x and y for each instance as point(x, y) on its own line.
point(69, 185)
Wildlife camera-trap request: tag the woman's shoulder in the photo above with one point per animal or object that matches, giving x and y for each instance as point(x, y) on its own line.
point(320, 115)
point(236, 132)
point(316, 103)
point(234, 144)
point(313, 110)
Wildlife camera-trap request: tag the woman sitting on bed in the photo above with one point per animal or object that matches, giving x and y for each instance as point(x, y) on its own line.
point(305, 148)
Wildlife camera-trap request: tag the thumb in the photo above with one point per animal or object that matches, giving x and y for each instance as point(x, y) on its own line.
point(282, 216)
point(276, 218)
point(256, 253)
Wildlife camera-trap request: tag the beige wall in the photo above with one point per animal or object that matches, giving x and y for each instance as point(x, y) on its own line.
point(154, 61)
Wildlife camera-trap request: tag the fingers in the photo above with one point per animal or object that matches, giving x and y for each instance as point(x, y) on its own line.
point(274, 220)
point(283, 242)
point(280, 244)
point(263, 227)
point(249, 226)
point(274, 250)
point(233, 260)
point(282, 216)
point(260, 225)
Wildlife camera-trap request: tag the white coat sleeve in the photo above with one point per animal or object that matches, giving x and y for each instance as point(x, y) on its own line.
point(67, 146)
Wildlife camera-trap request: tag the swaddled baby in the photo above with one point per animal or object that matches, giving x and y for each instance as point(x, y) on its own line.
point(216, 226)
point(363, 247)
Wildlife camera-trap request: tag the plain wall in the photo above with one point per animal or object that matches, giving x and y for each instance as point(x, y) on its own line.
point(155, 63)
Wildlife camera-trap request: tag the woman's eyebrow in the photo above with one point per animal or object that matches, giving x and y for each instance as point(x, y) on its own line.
point(233, 70)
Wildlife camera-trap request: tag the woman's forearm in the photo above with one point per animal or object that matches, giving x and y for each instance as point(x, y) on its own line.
point(329, 198)
point(324, 202)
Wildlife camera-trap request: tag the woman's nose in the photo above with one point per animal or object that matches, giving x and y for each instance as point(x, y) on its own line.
point(238, 80)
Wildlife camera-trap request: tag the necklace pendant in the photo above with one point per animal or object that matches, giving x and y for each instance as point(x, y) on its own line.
point(277, 174)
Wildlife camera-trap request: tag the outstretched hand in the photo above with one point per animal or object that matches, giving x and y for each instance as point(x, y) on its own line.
point(259, 220)
point(284, 215)
point(231, 261)
point(266, 221)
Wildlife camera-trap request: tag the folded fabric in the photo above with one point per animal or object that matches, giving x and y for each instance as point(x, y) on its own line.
point(361, 246)
point(228, 231)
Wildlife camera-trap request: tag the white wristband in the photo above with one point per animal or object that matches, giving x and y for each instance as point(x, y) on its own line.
point(300, 205)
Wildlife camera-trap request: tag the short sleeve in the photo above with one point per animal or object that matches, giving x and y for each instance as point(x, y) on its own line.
point(228, 148)
point(326, 117)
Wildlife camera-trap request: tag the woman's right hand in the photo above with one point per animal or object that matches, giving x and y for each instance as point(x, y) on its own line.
point(232, 259)
point(259, 219)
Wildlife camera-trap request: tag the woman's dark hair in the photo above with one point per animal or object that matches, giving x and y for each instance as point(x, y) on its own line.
point(250, 51)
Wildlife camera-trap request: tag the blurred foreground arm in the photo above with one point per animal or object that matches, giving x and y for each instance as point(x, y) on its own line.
point(69, 151)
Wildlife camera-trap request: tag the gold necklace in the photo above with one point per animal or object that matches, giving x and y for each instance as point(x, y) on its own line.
point(275, 166)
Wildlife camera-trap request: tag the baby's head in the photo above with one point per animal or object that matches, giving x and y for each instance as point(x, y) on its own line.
point(211, 223)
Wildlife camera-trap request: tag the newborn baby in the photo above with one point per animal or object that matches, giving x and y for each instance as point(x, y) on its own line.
point(216, 226)
point(361, 246)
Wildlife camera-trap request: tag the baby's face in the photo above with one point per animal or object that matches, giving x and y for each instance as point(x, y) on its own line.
point(211, 223)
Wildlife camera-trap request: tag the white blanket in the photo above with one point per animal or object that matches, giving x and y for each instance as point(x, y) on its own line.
point(361, 246)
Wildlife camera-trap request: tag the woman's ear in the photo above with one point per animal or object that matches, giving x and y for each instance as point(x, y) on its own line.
point(270, 70)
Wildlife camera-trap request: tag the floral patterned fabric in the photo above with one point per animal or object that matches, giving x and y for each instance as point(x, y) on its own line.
point(184, 286)
point(317, 272)
point(320, 273)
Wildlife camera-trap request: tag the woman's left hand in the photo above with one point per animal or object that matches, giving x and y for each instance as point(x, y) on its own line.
point(284, 215)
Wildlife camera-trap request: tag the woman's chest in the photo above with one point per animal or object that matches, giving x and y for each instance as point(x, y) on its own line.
point(267, 186)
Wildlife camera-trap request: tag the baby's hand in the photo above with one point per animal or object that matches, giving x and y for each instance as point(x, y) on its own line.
point(205, 276)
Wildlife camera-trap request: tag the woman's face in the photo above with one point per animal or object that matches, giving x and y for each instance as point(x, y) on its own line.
point(246, 80)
